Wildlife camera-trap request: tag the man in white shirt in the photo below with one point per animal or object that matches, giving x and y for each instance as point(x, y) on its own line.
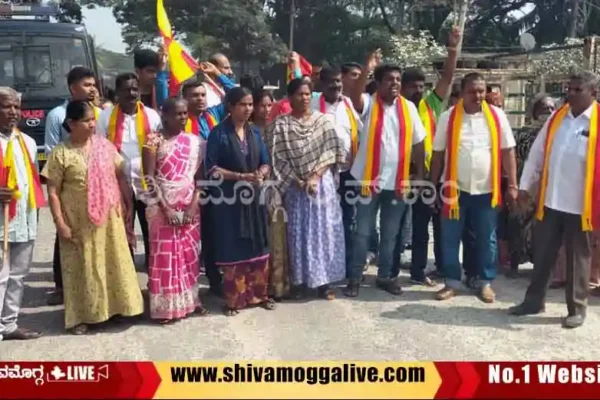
point(215, 93)
point(474, 179)
point(22, 226)
point(563, 204)
point(384, 197)
point(128, 94)
point(348, 123)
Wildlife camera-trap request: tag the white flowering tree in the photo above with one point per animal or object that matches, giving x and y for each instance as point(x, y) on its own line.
point(562, 61)
point(418, 50)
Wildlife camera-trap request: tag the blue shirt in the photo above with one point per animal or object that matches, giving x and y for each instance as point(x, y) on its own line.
point(219, 112)
point(162, 88)
point(54, 132)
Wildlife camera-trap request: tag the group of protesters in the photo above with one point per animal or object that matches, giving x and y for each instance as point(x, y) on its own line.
point(271, 199)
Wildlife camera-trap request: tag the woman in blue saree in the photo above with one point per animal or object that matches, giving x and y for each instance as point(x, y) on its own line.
point(237, 163)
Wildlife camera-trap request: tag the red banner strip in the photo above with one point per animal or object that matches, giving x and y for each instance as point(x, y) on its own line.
point(78, 380)
point(519, 380)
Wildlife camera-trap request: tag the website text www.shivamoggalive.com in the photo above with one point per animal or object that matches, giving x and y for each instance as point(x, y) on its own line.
point(312, 375)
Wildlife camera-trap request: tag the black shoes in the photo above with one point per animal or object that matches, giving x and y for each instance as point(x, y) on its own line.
point(573, 321)
point(525, 309)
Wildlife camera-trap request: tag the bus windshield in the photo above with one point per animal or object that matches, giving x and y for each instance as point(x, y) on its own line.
point(38, 65)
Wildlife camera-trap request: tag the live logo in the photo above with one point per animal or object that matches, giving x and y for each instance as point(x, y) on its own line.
point(81, 373)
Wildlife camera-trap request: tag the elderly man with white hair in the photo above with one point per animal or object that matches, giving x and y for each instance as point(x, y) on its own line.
point(21, 192)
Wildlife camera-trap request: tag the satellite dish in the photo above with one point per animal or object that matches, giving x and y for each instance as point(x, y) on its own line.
point(527, 41)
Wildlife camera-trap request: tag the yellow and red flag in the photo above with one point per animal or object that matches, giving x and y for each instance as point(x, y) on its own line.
point(181, 65)
point(305, 68)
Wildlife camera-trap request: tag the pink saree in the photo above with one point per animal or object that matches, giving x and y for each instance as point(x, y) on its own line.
point(174, 250)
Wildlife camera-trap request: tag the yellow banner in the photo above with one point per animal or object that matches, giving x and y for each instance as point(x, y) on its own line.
point(295, 380)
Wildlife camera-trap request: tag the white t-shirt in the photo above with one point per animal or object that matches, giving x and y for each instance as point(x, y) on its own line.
point(567, 165)
point(338, 114)
point(390, 142)
point(130, 149)
point(474, 150)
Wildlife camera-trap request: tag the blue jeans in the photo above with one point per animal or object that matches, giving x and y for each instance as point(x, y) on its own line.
point(403, 238)
point(392, 210)
point(374, 241)
point(469, 259)
point(422, 214)
point(477, 213)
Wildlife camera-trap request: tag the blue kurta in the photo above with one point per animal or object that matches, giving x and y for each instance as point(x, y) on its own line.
point(239, 222)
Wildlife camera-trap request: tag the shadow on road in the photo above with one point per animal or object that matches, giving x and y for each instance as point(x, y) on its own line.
point(466, 316)
point(369, 292)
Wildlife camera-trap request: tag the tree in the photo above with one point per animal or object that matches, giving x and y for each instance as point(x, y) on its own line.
point(333, 31)
point(417, 50)
point(236, 27)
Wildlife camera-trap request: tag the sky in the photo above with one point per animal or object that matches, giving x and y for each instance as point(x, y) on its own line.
point(101, 24)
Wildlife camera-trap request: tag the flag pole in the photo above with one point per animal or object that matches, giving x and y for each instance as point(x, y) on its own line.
point(292, 18)
point(4, 172)
point(5, 254)
point(462, 19)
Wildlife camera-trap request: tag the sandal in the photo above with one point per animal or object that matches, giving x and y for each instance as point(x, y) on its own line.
point(392, 286)
point(426, 282)
point(269, 305)
point(297, 293)
point(166, 321)
point(351, 290)
point(472, 282)
point(201, 311)
point(230, 312)
point(558, 285)
point(79, 330)
point(512, 274)
point(327, 292)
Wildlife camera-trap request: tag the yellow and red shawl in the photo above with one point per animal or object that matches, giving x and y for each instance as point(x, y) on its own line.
point(193, 124)
point(450, 208)
point(590, 218)
point(428, 119)
point(8, 177)
point(142, 129)
point(374, 143)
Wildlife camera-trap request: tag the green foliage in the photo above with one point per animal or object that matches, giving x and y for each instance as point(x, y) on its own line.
point(418, 50)
point(340, 30)
point(332, 31)
point(236, 27)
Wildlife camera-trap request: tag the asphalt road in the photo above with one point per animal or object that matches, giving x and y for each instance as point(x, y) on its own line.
point(376, 326)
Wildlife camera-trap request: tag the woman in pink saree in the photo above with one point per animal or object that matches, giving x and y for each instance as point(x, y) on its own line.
point(171, 161)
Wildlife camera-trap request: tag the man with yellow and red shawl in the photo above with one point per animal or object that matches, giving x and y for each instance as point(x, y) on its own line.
point(564, 162)
point(474, 142)
point(430, 105)
point(127, 125)
point(21, 192)
point(392, 137)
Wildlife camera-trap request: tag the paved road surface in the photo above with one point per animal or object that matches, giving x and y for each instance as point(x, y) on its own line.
point(376, 326)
